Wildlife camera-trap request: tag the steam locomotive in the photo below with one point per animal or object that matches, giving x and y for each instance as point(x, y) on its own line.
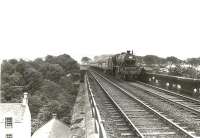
point(123, 65)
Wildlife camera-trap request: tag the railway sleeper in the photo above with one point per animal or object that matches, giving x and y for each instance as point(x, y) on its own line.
point(159, 133)
point(158, 124)
point(127, 134)
point(153, 128)
point(141, 116)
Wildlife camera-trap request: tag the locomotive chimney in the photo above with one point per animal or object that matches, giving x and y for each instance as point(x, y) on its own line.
point(128, 51)
point(132, 52)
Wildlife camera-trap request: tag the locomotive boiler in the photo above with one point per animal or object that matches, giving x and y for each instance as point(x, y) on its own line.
point(125, 66)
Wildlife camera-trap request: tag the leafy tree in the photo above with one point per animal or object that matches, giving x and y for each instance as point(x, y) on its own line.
point(65, 61)
point(193, 61)
point(52, 72)
point(173, 60)
point(7, 67)
point(35, 103)
point(33, 79)
point(49, 83)
point(50, 59)
point(21, 66)
point(16, 79)
point(50, 89)
point(152, 59)
point(46, 111)
point(13, 61)
point(68, 63)
point(176, 71)
point(11, 94)
point(37, 63)
point(5, 77)
point(85, 60)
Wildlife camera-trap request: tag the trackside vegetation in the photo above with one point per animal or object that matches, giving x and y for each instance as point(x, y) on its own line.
point(49, 82)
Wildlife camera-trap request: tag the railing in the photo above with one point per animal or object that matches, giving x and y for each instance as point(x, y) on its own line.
point(99, 127)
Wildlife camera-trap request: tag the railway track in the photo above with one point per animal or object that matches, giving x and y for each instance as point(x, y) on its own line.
point(148, 121)
point(125, 128)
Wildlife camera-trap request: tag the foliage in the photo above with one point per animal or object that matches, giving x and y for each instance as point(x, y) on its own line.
point(176, 71)
point(52, 72)
point(49, 83)
point(85, 60)
point(189, 72)
point(176, 66)
point(173, 60)
point(152, 60)
point(193, 61)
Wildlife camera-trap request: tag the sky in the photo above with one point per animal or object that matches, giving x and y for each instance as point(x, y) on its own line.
point(36, 28)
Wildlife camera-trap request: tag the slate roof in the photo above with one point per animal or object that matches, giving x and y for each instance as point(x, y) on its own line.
point(53, 129)
point(15, 109)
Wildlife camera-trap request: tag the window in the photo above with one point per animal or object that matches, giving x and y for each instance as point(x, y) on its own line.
point(9, 136)
point(8, 122)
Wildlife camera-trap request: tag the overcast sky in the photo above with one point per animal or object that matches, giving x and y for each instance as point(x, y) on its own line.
point(35, 28)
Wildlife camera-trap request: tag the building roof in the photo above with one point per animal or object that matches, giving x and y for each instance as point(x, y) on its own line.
point(53, 129)
point(15, 110)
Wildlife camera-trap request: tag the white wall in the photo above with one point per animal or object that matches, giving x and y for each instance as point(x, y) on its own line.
point(20, 129)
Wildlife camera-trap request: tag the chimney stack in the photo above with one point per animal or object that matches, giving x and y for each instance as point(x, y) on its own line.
point(54, 115)
point(25, 99)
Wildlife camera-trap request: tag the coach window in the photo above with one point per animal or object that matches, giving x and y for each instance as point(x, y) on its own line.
point(9, 136)
point(8, 122)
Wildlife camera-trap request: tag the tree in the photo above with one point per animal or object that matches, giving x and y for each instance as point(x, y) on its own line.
point(50, 89)
point(173, 60)
point(13, 61)
point(16, 79)
point(85, 60)
point(21, 66)
point(7, 67)
point(37, 63)
point(35, 103)
point(33, 79)
point(151, 59)
point(49, 82)
point(52, 72)
point(193, 61)
point(65, 61)
point(176, 71)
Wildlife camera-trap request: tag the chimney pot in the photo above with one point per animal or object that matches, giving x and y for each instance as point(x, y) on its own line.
point(54, 115)
point(25, 99)
point(25, 95)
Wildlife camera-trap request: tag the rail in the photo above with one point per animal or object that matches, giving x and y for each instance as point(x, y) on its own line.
point(134, 128)
point(99, 127)
point(171, 101)
point(181, 130)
